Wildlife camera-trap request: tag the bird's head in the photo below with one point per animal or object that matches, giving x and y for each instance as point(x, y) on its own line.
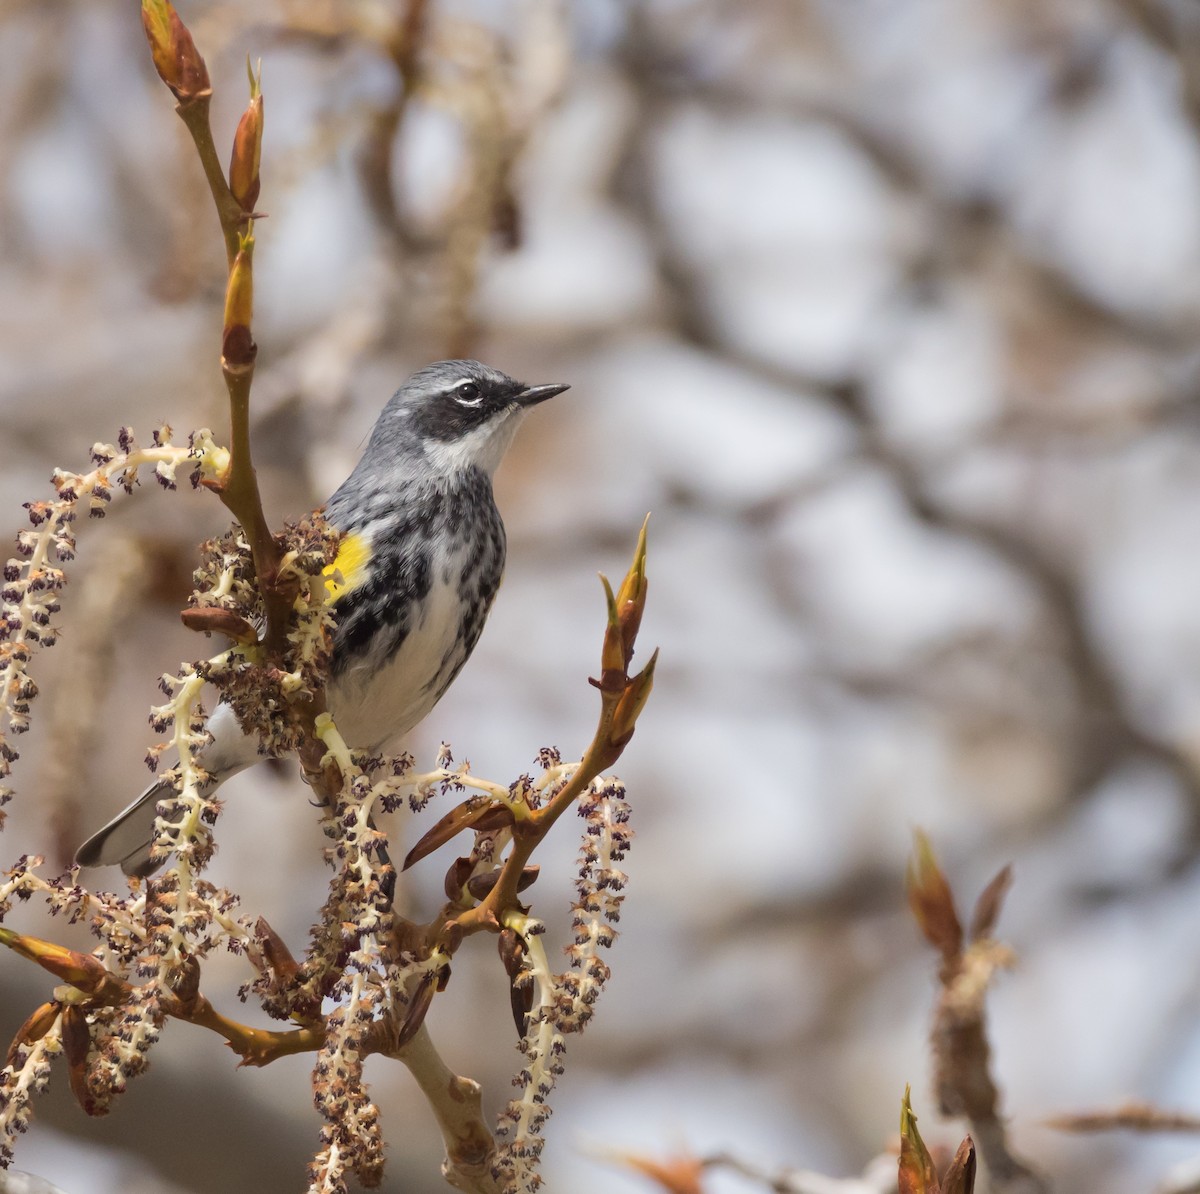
point(460, 413)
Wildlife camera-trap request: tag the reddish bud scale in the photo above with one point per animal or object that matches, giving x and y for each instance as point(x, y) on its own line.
point(959, 1178)
point(631, 597)
point(82, 971)
point(457, 876)
point(176, 58)
point(418, 1007)
point(212, 619)
point(247, 152)
point(931, 900)
point(477, 813)
point(512, 955)
point(39, 1023)
point(612, 653)
point(77, 1043)
point(989, 904)
point(633, 701)
point(917, 1174)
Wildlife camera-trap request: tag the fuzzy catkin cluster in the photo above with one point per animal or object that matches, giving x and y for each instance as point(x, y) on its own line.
point(351, 1138)
point(33, 579)
point(107, 1040)
point(599, 887)
point(120, 1042)
point(26, 1074)
point(262, 697)
point(559, 1004)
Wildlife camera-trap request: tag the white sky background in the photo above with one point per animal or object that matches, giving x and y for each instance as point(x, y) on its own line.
point(887, 313)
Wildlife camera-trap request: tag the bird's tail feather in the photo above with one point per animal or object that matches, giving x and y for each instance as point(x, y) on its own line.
point(127, 837)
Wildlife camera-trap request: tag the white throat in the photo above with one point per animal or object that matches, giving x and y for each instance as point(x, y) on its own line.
point(483, 448)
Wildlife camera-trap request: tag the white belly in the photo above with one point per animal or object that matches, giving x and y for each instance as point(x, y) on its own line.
point(373, 702)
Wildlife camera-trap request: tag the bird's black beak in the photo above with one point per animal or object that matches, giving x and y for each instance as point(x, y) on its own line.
point(532, 395)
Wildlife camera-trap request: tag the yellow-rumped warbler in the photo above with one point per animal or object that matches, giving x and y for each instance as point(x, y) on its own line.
point(420, 560)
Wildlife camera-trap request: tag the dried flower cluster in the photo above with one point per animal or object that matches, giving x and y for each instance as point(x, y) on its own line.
point(33, 579)
point(549, 1006)
point(229, 601)
point(606, 839)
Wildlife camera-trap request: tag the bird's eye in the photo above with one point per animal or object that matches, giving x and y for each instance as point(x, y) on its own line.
point(468, 393)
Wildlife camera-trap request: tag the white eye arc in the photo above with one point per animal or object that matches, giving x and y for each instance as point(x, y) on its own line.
point(468, 393)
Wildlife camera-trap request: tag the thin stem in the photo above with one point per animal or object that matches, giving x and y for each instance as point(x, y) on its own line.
point(529, 833)
point(240, 494)
point(255, 1046)
point(194, 113)
point(239, 489)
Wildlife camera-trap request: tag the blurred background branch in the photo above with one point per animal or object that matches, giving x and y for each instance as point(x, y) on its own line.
point(890, 314)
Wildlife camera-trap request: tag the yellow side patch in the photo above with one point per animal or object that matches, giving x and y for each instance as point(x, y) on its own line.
point(350, 568)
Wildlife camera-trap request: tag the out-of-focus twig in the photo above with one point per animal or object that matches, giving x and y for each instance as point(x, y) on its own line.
point(1104, 730)
point(961, 1052)
point(878, 1178)
point(1165, 26)
point(1129, 1117)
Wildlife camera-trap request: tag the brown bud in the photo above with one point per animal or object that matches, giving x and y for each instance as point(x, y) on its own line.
point(612, 653)
point(77, 1044)
point(185, 981)
point(278, 956)
point(418, 1007)
point(478, 813)
point(458, 874)
point(247, 147)
point(81, 971)
point(989, 904)
point(959, 1178)
point(631, 597)
point(481, 885)
point(520, 993)
point(176, 58)
point(512, 951)
point(917, 1174)
point(931, 900)
point(625, 608)
point(633, 701)
point(210, 619)
point(39, 1023)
